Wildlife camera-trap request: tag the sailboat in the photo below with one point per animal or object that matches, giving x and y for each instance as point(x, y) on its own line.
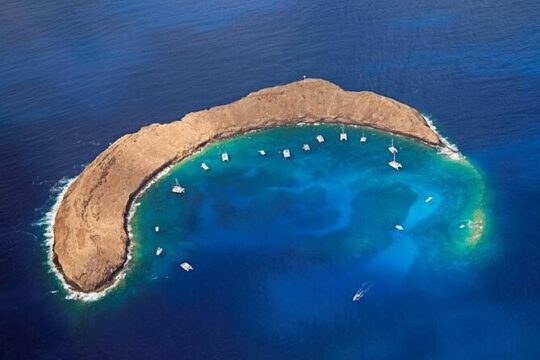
point(394, 164)
point(392, 148)
point(186, 266)
point(363, 139)
point(343, 135)
point(286, 153)
point(177, 189)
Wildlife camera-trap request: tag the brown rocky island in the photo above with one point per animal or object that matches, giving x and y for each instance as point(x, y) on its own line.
point(91, 242)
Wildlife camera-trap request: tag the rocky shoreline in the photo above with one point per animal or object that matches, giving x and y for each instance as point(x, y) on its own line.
point(91, 227)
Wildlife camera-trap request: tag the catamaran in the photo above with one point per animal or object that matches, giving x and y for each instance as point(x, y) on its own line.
point(306, 147)
point(392, 148)
point(343, 135)
point(286, 153)
point(186, 266)
point(224, 157)
point(320, 139)
point(363, 139)
point(177, 189)
point(394, 164)
point(361, 292)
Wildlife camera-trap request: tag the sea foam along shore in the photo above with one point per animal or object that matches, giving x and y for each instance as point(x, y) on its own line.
point(59, 190)
point(449, 149)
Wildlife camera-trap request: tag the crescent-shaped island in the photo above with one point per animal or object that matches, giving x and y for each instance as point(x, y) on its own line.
point(91, 241)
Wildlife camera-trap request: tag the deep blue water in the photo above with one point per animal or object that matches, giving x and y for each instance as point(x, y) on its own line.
point(75, 76)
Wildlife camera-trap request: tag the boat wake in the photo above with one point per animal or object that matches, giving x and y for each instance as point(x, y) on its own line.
point(361, 292)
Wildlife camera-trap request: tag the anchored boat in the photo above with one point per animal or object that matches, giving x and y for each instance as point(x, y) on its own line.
point(186, 266)
point(363, 139)
point(343, 135)
point(177, 189)
point(392, 148)
point(394, 164)
point(286, 153)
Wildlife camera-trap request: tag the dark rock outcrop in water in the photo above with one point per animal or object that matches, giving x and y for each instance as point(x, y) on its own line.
point(91, 243)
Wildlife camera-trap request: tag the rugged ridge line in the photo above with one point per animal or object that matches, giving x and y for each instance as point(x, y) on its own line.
point(91, 243)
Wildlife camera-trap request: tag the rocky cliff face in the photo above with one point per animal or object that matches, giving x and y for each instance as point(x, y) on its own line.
point(90, 238)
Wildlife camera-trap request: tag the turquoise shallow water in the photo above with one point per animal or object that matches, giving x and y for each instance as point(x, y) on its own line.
point(280, 246)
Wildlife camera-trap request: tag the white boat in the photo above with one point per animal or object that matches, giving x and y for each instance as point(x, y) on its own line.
point(186, 266)
point(224, 157)
point(394, 164)
point(392, 148)
point(159, 251)
point(429, 199)
point(262, 152)
point(361, 292)
point(306, 147)
point(286, 153)
point(363, 139)
point(156, 228)
point(399, 227)
point(462, 226)
point(205, 167)
point(177, 189)
point(320, 139)
point(343, 135)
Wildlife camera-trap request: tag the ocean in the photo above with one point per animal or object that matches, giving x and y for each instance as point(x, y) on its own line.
point(279, 246)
